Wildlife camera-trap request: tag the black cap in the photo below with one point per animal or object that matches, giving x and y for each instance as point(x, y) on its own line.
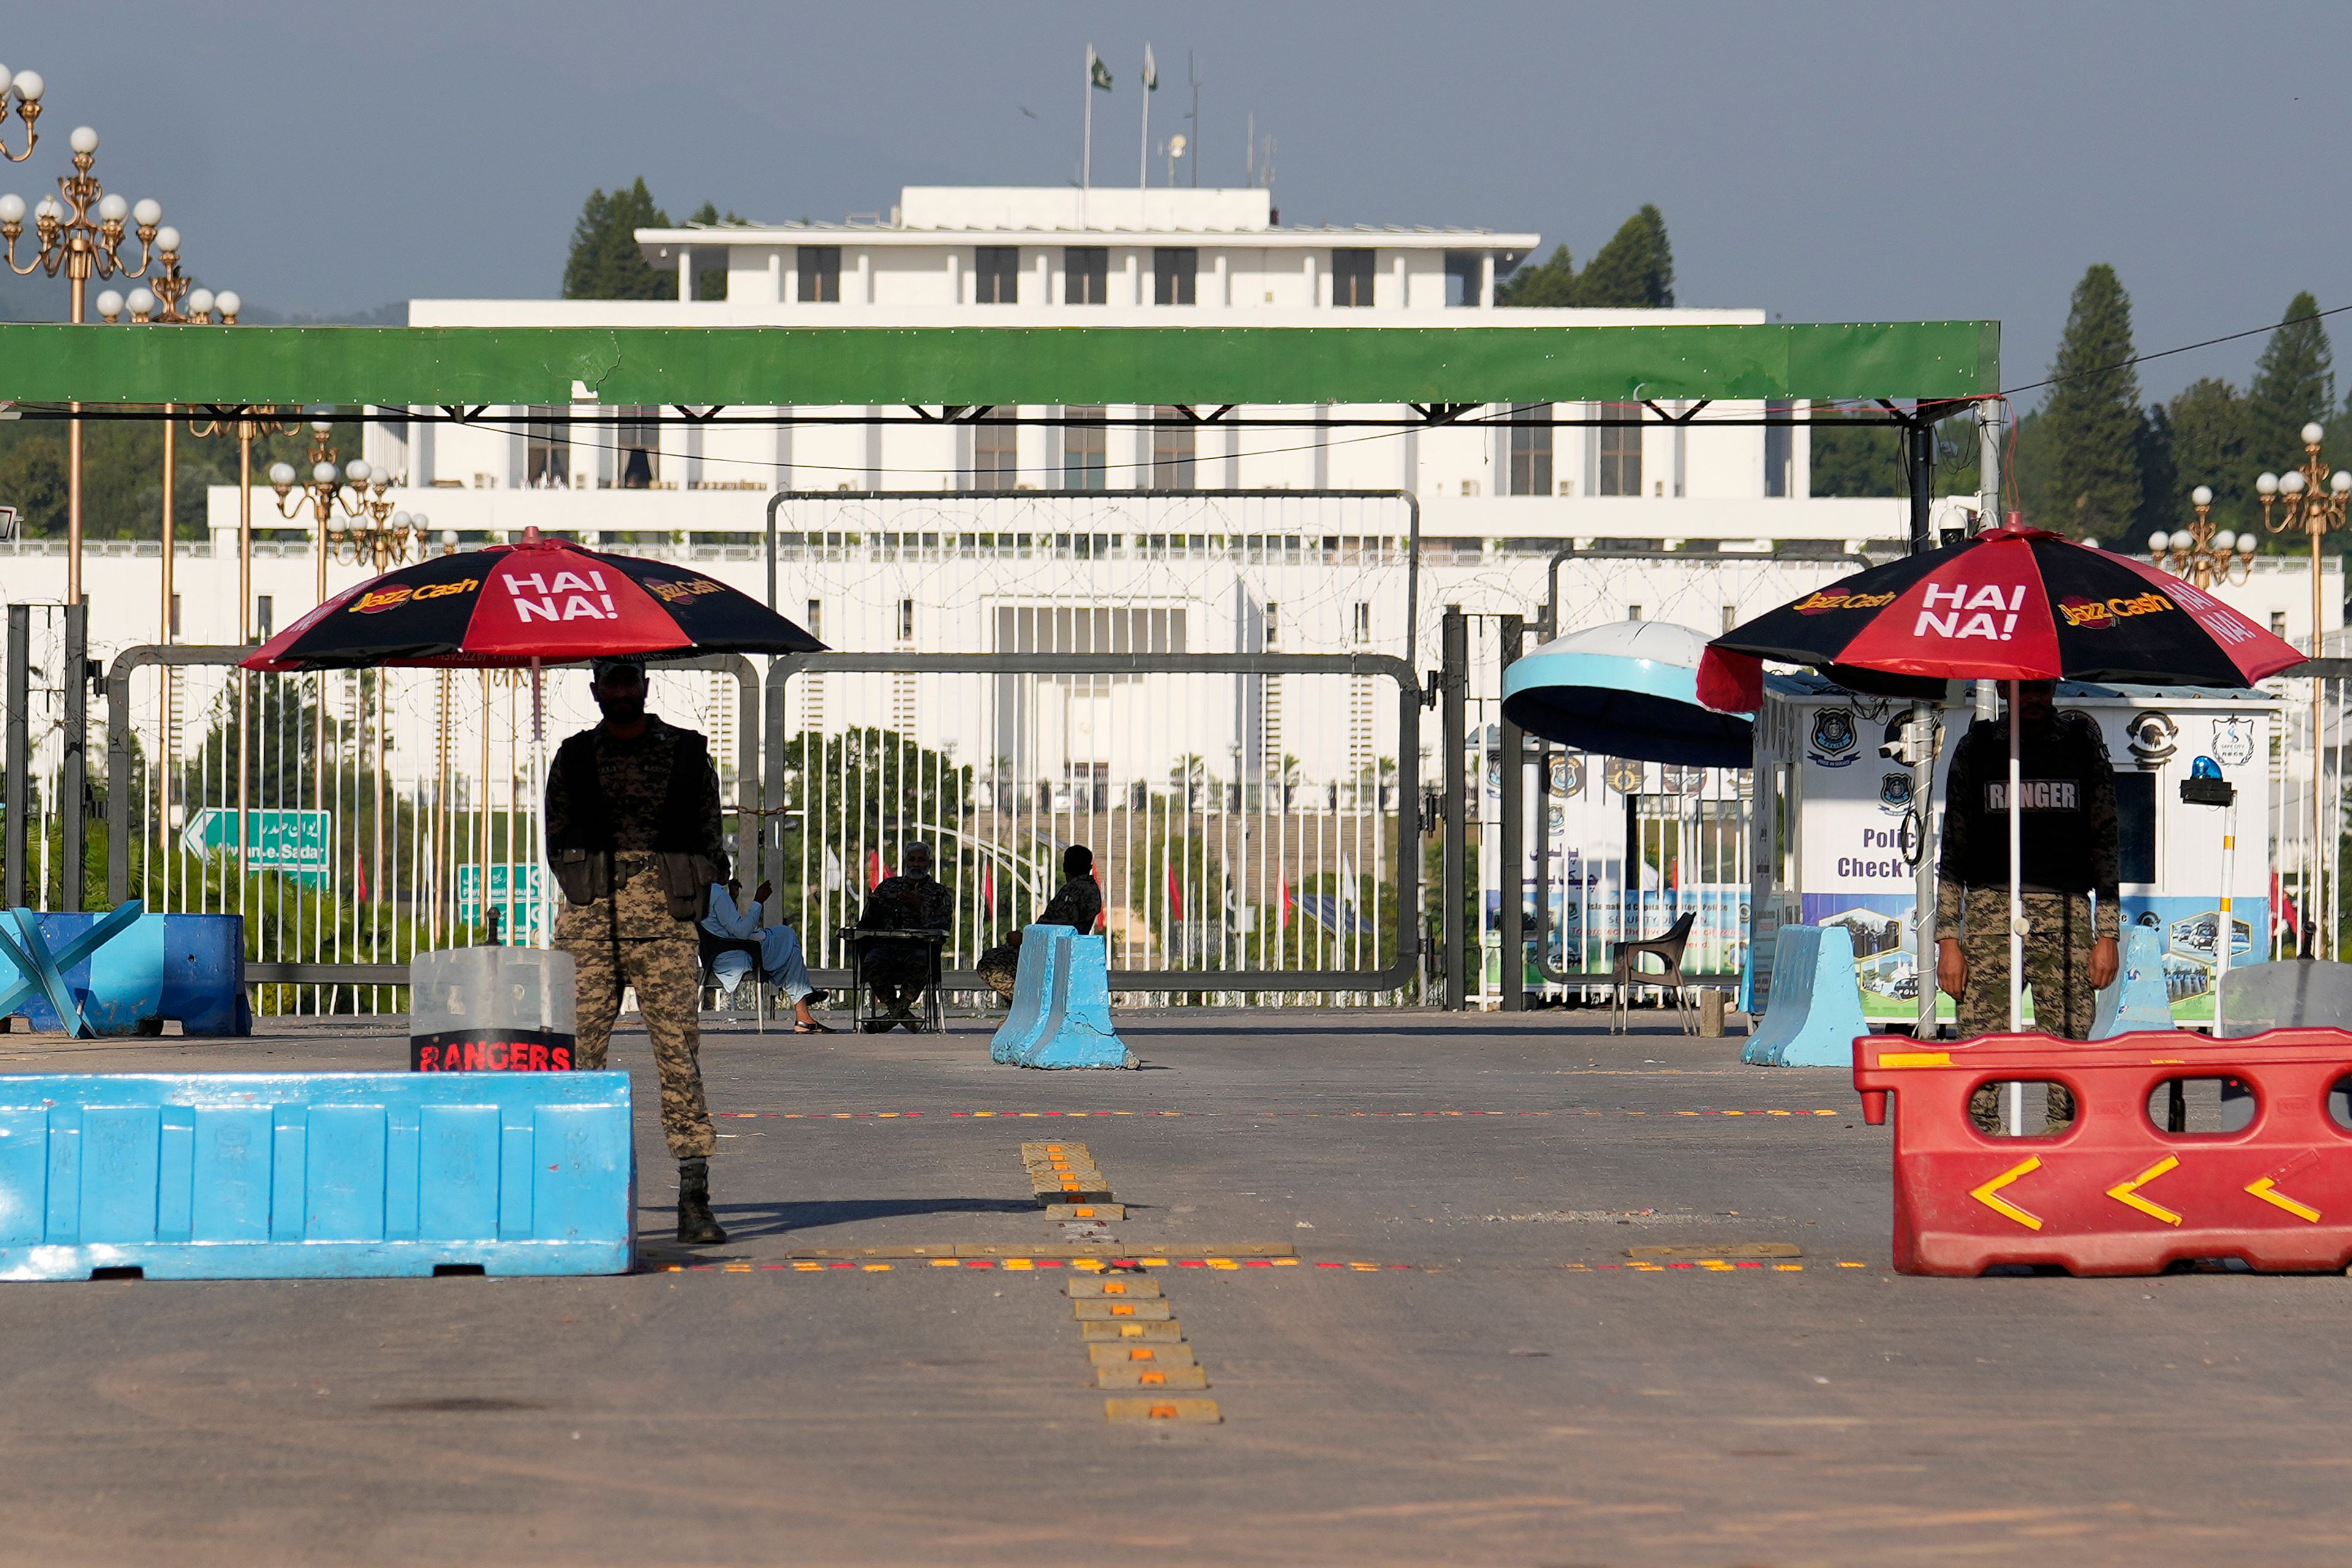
point(605, 666)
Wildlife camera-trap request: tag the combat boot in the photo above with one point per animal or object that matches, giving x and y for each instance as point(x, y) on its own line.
point(697, 1225)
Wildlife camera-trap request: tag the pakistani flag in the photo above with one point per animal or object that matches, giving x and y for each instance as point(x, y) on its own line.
point(1097, 73)
point(1151, 71)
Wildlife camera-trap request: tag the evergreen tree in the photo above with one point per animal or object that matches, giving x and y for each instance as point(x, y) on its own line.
point(712, 285)
point(2208, 424)
point(1548, 284)
point(606, 263)
point(1635, 268)
point(2090, 425)
point(2294, 386)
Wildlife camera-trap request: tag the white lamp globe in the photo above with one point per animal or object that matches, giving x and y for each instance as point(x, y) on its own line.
point(2266, 484)
point(141, 303)
point(2291, 483)
point(148, 212)
point(281, 474)
point(112, 208)
point(2225, 541)
point(400, 519)
point(109, 304)
point(322, 426)
point(200, 303)
point(2202, 495)
point(83, 139)
point(12, 208)
point(324, 473)
point(48, 208)
point(357, 470)
point(167, 239)
point(448, 535)
point(2159, 542)
point(2313, 434)
point(5, 79)
point(2340, 482)
point(229, 302)
point(29, 86)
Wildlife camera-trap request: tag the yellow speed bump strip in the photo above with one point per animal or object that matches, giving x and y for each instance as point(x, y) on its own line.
point(1140, 1355)
point(1144, 1376)
point(1111, 1309)
point(1194, 1412)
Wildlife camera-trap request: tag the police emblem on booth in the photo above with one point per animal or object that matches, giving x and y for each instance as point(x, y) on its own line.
point(1893, 793)
point(1624, 776)
point(1567, 774)
point(2153, 738)
point(2233, 740)
point(1835, 743)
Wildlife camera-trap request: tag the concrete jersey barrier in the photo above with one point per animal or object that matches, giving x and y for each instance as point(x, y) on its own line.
point(1815, 1013)
point(2137, 1000)
point(272, 1175)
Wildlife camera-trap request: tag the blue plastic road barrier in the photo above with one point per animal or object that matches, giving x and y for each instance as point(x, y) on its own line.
point(2138, 1000)
point(275, 1176)
point(1075, 1027)
point(188, 968)
point(1045, 953)
point(1814, 1013)
point(35, 981)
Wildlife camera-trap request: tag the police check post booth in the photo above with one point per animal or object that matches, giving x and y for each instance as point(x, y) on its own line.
point(1834, 829)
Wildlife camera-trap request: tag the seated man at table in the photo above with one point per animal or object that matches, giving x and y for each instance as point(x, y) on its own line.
point(737, 925)
point(900, 970)
point(1076, 904)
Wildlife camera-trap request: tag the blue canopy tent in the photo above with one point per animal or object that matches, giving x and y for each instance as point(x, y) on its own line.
point(1628, 689)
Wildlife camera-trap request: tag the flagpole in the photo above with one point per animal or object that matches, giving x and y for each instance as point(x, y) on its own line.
point(1086, 159)
point(1143, 148)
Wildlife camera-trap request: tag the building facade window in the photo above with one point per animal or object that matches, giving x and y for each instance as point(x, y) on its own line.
point(819, 271)
point(1463, 272)
point(812, 622)
point(1086, 275)
point(996, 274)
point(1351, 278)
point(995, 452)
point(1620, 454)
point(1780, 450)
point(265, 616)
point(547, 452)
point(906, 620)
point(1085, 464)
point(1174, 271)
point(1174, 452)
point(1529, 473)
point(638, 437)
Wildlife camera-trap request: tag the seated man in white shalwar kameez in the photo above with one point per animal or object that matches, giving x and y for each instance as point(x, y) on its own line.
point(779, 952)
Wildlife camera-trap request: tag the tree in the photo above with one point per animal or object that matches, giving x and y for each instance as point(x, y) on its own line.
point(712, 285)
point(2089, 431)
point(1635, 270)
point(606, 263)
point(2206, 420)
point(2294, 386)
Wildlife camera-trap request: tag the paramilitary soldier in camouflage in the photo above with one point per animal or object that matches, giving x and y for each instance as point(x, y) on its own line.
point(633, 804)
point(2068, 852)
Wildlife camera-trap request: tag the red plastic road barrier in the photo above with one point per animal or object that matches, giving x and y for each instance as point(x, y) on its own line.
point(2114, 1194)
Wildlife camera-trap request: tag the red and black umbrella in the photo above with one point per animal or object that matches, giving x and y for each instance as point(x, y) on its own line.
point(543, 601)
point(2010, 604)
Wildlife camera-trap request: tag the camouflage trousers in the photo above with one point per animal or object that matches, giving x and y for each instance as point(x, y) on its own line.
point(2058, 943)
point(667, 972)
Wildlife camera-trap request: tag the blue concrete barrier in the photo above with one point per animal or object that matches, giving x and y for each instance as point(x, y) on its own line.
point(2138, 1000)
point(1065, 1021)
point(1815, 1013)
point(272, 1175)
point(185, 968)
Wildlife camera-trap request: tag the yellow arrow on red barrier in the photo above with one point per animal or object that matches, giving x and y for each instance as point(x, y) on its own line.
point(2128, 1192)
point(2267, 1190)
point(1989, 1194)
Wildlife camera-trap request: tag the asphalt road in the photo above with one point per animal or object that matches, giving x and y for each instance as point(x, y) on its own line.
point(1481, 1379)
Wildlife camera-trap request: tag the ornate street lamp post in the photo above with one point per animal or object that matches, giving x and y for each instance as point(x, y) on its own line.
point(84, 247)
point(2200, 554)
point(2311, 501)
point(26, 87)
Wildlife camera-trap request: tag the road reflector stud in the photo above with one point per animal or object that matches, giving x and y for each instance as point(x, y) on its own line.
point(1130, 1287)
point(1166, 1331)
point(1140, 1355)
point(1097, 1311)
point(1147, 1377)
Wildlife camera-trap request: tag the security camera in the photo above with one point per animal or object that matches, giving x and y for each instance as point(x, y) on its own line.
point(1909, 742)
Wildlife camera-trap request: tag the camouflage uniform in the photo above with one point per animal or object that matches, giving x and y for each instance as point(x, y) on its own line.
point(2069, 838)
point(900, 969)
point(1078, 905)
point(634, 939)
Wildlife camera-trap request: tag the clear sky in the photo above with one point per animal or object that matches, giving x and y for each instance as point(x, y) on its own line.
point(1822, 161)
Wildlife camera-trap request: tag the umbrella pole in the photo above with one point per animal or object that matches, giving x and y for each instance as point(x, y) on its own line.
point(539, 807)
point(2016, 914)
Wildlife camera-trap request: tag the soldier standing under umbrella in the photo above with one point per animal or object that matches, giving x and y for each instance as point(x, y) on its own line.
point(633, 829)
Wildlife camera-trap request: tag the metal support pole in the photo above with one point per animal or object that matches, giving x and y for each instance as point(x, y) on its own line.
point(73, 783)
point(1510, 851)
point(19, 755)
point(1453, 683)
point(1922, 468)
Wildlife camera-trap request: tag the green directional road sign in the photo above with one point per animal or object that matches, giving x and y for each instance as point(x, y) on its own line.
point(516, 888)
point(295, 844)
